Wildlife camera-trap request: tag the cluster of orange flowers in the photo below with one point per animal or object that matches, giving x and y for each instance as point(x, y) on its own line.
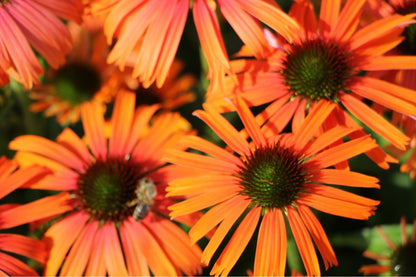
point(136, 190)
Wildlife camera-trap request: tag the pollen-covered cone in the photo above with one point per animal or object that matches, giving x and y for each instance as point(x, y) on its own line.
point(12, 178)
point(99, 184)
point(259, 179)
point(34, 25)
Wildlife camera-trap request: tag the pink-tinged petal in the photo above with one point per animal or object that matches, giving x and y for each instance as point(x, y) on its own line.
point(121, 122)
point(272, 16)
point(24, 246)
point(313, 122)
point(328, 15)
point(157, 67)
point(204, 200)
point(69, 10)
point(374, 121)
point(93, 121)
point(318, 234)
point(348, 20)
point(342, 152)
point(200, 144)
point(222, 230)
point(249, 121)
point(25, 176)
point(224, 129)
point(215, 215)
point(11, 266)
point(141, 121)
point(379, 28)
point(237, 243)
point(96, 263)
point(77, 259)
point(48, 149)
point(39, 209)
point(212, 44)
point(60, 237)
point(20, 56)
point(246, 27)
point(135, 258)
point(159, 263)
point(303, 242)
point(344, 178)
point(270, 259)
point(70, 140)
point(177, 246)
point(113, 254)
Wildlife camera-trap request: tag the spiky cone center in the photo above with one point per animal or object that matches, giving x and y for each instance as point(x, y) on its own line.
point(403, 260)
point(107, 187)
point(76, 83)
point(272, 177)
point(316, 69)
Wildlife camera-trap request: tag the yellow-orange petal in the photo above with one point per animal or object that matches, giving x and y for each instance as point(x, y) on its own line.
point(77, 259)
point(48, 149)
point(60, 238)
point(237, 243)
point(303, 242)
point(270, 258)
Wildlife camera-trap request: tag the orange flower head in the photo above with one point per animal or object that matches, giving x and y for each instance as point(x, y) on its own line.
point(84, 77)
point(400, 261)
point(34, 25)
point(261, 179)
point(327, 60)
point(111, 207)
point(12, 178)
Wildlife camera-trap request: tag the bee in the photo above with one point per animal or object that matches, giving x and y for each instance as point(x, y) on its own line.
point(145, 193)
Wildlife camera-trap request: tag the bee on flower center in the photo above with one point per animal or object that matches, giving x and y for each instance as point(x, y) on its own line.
point(145, 193)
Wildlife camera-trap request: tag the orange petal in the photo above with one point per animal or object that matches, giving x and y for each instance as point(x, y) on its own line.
point(96, 263)
point(93, 121)
point(222, 230)
point(303, 242)
point(318, 234)
point(237, 243)
point(270, 258)
point(24, 246)
point(328, 15)
point(348, 20)
point(344, 178)
point(196, 185)
point(374, 121)
point(70, 140)
point(113, 253)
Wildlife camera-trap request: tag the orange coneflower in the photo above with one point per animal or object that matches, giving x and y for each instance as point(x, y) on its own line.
point(12, 178)
point(399, 260)
point(34, 24)
point(102, 186)
point(327, 60)
point(263, 179)
point(137, 25)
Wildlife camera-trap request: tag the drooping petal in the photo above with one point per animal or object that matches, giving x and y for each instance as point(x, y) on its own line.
point(113, 254)
point(24, 246)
